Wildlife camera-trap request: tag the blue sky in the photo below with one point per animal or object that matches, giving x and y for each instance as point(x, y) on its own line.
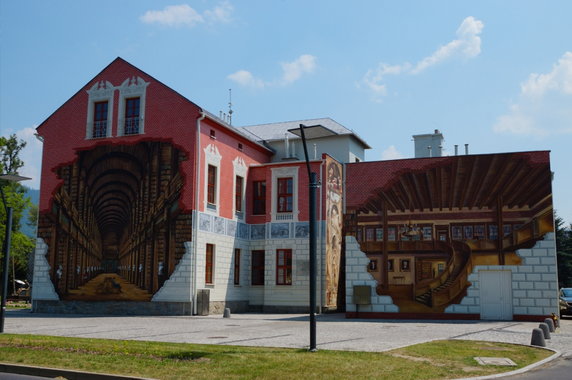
point(494, 74)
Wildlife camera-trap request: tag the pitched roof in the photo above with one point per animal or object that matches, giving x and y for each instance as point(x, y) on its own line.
point(276, 131)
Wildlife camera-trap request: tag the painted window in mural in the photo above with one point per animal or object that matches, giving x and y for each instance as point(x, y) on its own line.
point(236, 274)
point(285, 194)
point(238, 194)
point(427, 233)
point(493, 232)
point(210, 251)
point(257, 267)
point(259, 198)
point(283, 267)
point(132, 116)
point(211, 185)
point(100, 119)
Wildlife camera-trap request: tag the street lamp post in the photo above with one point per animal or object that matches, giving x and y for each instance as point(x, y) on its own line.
point(7, 241)
point(316, 131)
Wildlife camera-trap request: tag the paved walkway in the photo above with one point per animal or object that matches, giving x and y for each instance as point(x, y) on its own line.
point(334, 331)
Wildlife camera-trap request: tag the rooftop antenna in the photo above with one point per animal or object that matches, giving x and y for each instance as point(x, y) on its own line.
point(230, 106)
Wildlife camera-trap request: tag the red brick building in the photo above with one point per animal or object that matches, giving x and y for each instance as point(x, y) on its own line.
point(149, 199)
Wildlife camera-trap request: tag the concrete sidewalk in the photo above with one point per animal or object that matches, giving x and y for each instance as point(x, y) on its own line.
point(334, 331)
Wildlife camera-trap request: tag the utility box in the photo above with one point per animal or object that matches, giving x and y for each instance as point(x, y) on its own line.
point(203, 301)
point(362, 295)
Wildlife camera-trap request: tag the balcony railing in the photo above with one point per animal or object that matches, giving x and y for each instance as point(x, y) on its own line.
point(131, 125)
point(99, 129)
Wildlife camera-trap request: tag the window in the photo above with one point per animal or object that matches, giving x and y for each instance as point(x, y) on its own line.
point(457, 232)
point(369, 234)
point(390, 265)
point(259, 195)
point(257, 270)
point(100, 119)
point(238, 194)
point(391, 234)
point(240, 147)
point(209, 264)
point(211, 186)
point(285, 194)
point(131, 126)
point(131, 109)
point(100, 110)
point(237, 266)
point(283, 267)
point(493, 232)
point(479, 231)
point(468, 232)
point(213, 134)
point(427, 233)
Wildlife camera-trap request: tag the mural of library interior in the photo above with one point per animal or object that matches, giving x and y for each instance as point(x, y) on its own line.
point(150, 204)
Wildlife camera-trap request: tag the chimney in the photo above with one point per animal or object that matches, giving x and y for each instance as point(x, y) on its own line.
point(467, 149)
point(429, 145)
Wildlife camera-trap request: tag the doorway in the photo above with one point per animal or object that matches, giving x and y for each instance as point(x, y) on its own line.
point(496, 294)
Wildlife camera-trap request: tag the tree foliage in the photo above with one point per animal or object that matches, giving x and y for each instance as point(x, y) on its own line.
point(564, 252)
point(13, 195)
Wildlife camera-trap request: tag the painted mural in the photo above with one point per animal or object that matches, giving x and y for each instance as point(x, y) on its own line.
point(333, 229)
point(425, 223)
point(114, 230)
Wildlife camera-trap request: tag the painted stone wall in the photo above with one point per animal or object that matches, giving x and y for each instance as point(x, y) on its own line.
point(534, 282)
point(357, 275)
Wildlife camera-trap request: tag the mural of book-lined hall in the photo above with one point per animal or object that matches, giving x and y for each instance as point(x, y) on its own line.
point(115, 229)
point(425, 223)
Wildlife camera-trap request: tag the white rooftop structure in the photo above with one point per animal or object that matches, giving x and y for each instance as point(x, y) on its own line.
point(345, 145)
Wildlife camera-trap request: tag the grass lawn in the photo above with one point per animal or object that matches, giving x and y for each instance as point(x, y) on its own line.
point(434, 360)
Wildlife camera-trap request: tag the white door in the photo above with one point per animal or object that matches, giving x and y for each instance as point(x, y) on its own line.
point(496, 294)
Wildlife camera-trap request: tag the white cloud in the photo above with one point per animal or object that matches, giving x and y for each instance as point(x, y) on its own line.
point(184, 15)
point(467, 45)
point(291, 72)
point(543, 105)
point(220, 13)
point(559, 79)
point(245, 78)
point(391, 153)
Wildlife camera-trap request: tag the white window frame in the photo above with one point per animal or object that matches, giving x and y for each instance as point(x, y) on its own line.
point(213, 158)
point(240, 170)
point(289, 171)
point(102, 91)
point(133, 87)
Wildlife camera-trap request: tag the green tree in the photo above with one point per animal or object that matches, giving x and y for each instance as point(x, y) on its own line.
point(564, 252)
point(13, 195)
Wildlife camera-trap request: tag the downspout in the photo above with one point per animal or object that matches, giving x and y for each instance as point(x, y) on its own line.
point(196, 215)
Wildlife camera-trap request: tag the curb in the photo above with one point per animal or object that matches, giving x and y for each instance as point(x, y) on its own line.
point(522, 370)
point(66, 373)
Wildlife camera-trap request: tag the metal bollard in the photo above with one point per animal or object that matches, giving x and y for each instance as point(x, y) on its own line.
point(544, 327)
point(537, 338)
point(550, 324)
point(226, 313)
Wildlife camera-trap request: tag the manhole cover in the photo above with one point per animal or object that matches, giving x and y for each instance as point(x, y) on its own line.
point(482, 360)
